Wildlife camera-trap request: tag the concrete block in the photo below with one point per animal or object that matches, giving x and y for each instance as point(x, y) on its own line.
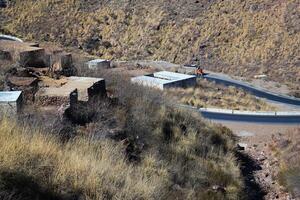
point(86, 89)
point(10, 102)
point(98, 64)
point(165, 79)
point(4, 55)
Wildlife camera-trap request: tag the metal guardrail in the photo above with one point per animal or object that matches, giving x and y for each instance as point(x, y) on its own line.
point(281, 117)
point(9, 37)
point(250, 113)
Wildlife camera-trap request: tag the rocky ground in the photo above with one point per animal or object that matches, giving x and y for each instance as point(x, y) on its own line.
point(265, 162)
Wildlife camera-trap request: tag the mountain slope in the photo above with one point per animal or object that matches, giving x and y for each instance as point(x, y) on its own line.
point(243, 38)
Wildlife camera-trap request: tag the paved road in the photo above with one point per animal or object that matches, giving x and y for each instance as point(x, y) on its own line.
point(11, 38)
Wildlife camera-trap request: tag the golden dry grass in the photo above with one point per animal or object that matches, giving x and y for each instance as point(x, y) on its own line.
point(208, 94)
point(91, 169)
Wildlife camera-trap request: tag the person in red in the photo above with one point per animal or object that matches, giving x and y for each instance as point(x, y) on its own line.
point(199, 71)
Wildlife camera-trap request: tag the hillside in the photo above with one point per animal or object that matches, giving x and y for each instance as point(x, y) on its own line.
point(242, 38)
point(136, 147)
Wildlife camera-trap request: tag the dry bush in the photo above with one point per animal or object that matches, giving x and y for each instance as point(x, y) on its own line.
point(208, 94)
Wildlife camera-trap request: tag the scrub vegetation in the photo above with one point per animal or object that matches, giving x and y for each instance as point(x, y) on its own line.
point(136, 146)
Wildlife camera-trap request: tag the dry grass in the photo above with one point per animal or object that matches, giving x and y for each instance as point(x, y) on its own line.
point(290, 163)
point(208, 94)
point(90, 169)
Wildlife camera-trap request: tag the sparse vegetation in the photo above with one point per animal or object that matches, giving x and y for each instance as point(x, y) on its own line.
point(208, 94)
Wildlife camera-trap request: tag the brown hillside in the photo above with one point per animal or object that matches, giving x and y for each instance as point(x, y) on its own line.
point(241, 37)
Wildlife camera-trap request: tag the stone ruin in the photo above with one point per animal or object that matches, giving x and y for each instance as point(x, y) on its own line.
point(84, 88)
point(46, 76)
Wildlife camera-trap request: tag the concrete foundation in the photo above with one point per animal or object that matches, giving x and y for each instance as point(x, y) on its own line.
point(10, 102)
point(84, 88)
point(165, 79)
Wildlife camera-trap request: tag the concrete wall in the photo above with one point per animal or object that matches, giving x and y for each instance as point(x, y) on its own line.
point(250, 116)
point(165, 79)
point(33, 58)
point(181, 83)
point(97, 90)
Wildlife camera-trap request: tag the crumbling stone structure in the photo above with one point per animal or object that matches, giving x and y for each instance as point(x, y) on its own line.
point(82, 88)
point(26, 54)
